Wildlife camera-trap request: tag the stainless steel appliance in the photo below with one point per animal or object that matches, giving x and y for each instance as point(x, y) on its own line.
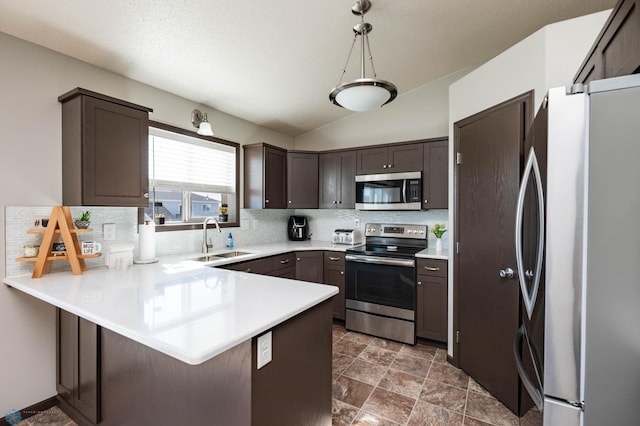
point(346, 236)
point(380, 281)
point(298, 228)
point(577, 249)
point(389, 191)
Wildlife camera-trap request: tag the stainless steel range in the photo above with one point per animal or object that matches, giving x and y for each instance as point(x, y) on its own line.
point(381, 281)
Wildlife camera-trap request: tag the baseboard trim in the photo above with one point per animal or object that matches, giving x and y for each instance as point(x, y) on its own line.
point(73, 413)
point(32, 410)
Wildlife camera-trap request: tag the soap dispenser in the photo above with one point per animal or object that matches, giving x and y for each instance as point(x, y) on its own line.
point(229, 241)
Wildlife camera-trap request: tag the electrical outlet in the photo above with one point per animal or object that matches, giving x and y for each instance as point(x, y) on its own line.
point(264, 350)
point(110, 231)
point(356, 223)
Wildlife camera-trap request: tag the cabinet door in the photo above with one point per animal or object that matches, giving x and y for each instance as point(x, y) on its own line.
point(405, 158)
point(372, 160)
point(309, 266)
point(432, 308)
point(275, 178)
point(334, 275)
point(435, 175)
point(302, 180)
point(336, 182)
point(78, 379)
point(620, 43)
point(258, 266)
point(347, 182)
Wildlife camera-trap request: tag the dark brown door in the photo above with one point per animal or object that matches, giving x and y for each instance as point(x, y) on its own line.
point(275, 178)
point(302, 180)
point(491, 145)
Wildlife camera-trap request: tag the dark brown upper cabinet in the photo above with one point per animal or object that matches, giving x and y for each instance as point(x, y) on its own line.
point(435, 175)
point(337, 180)
point(265, 177)
point(302, 180)
point(616, 51)
point(390, 159)
point(104, 151)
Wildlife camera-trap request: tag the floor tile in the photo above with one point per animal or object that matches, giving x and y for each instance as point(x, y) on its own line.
point(378, 355)
point(443, 395)
point(386, 344)
point(368, 419)
point(351, 391)
point(427, 414)
point(340, 362)
point(403, 383)
point(448, 374)
point(477, 387)
point(349, 347)
point(342, 414)
point(365, 371)
point(409, 364)
point(470, 421)
point(441, 356)
point(53, 416)
point(358, 337)
point(389, 405)
point(489, 409)
point(419, 351)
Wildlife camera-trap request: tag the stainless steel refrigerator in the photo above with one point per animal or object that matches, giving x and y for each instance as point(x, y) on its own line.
point(578, 256)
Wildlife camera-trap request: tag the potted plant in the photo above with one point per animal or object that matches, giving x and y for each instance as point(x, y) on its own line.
point(438, 230)
point(223, 216)
point(83, 221)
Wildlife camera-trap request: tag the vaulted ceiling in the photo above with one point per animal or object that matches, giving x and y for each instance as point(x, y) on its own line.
point(274, 62)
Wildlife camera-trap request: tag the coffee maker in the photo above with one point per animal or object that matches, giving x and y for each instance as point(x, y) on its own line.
point(298, 228)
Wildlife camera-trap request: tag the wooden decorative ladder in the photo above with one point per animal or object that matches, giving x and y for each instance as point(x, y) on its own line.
point(60, 226)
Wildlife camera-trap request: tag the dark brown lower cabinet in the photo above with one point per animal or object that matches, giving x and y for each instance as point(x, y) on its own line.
point(77, 360)
point(309, 266)
point(334, 275)
point(284, 265)
point(432, 299)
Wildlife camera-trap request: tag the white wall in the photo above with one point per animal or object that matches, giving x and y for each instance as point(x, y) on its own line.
point(548, 58)
point(419, 114)
point(31, 79)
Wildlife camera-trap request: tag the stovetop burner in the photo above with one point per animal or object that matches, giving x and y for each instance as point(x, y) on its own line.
point(392, 240)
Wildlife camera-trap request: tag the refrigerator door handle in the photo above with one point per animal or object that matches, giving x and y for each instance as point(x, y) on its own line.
point(535, 393)
point(529, 296)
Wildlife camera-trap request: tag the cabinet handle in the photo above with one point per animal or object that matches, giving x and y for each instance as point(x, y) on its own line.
point(247, 270)
point(389, 165)
point(334, 258)
point(426, 201)
point(419, 282)
point(298, 259)
point(341, 272)
point(335, 202)
point(266, 201)
point(289, 201)
point(146, 195)
point(429, 268)
point(340, 202)
point(384, 166)
point(284, 262)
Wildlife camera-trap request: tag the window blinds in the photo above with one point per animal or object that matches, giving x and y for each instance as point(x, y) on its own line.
point(184, 163)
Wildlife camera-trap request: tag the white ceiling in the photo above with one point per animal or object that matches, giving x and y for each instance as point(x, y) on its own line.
point(274, 62)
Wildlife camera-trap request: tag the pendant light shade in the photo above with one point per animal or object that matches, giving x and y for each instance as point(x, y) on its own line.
point(362, 94)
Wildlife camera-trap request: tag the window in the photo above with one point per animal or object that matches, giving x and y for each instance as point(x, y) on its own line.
point(191, 177)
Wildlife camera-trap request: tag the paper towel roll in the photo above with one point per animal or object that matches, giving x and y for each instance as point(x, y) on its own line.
point(147, 241)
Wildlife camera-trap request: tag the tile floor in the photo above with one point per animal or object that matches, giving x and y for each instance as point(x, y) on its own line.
point(381, 382)
point(385, 383)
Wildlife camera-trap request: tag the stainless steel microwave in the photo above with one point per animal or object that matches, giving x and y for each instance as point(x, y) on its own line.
point(389, 191)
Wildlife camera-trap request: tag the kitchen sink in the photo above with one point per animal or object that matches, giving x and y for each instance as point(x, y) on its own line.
point(218, 256)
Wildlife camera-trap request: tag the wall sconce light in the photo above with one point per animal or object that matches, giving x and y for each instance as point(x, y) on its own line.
point(200, 122)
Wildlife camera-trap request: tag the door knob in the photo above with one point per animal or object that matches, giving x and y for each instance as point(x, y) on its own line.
point(506, 273)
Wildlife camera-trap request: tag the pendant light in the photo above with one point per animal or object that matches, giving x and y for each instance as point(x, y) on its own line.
point(362, 94)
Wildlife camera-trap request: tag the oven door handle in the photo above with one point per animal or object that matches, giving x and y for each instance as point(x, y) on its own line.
point(410, 263)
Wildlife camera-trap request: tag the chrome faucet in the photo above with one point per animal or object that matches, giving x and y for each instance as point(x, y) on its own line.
point(205, 245)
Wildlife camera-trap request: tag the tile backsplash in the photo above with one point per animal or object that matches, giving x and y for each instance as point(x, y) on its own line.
point(258, 227)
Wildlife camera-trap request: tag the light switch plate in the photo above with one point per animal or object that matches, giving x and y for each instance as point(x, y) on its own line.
point(109, 231)
point(265, 350)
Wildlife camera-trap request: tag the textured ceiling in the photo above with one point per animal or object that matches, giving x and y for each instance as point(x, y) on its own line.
point(274, 62)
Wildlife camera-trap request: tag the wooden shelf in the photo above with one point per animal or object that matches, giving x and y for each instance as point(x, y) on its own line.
point(57, 231)
point(61, 226)
point(59, 257)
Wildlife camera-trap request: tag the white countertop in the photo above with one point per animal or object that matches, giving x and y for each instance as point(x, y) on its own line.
point(431, 253)
point(178, 307)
